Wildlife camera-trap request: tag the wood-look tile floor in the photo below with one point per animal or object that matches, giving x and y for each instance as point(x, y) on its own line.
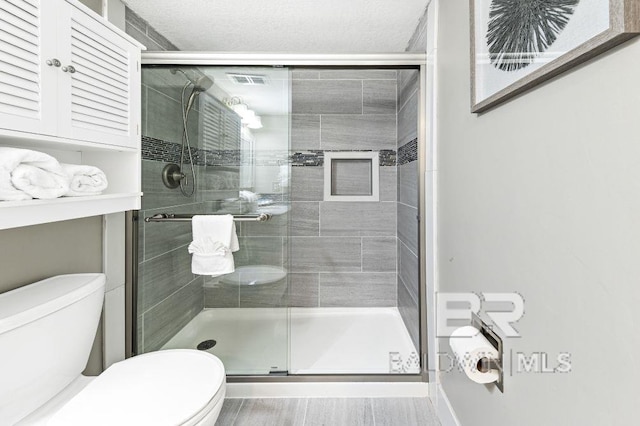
point(328, 411)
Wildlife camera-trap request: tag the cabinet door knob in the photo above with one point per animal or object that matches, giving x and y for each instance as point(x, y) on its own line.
point(71, 69)
point(53, 62)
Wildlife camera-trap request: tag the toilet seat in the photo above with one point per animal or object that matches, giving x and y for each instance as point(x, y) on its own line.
point(172, 387)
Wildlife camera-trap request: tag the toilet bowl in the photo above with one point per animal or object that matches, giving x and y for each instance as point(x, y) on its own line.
point(46, 333)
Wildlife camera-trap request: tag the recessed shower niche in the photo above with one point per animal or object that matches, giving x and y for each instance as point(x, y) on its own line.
point(351, 176)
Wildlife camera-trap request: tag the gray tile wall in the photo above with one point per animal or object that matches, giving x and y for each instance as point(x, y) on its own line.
point(407, 206)
point(343, 253)
point(169, 294)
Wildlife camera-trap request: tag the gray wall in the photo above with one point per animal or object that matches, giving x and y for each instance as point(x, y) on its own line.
point(169, 295)
point(540, 196)
point(342, 253)
point(33, 253)
point(407, 206)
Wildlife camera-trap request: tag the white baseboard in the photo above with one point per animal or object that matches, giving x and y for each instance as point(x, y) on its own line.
point(443, 407)
point(327, 390)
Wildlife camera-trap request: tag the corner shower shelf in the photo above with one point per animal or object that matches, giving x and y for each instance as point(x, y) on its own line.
point(14, 214)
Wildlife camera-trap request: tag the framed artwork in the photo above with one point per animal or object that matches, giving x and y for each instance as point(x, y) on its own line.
point(517, 44)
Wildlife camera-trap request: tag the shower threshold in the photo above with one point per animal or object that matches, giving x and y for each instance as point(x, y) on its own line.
point(303, 341)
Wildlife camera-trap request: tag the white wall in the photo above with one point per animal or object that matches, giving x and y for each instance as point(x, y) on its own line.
point(542, 196)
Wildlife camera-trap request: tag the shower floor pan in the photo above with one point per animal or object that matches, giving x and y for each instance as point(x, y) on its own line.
point(254, 341)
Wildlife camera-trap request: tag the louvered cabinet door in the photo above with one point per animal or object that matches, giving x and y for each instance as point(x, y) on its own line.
point(232, 128)
point(104, 84)
point(27, 85)
point(211, 124)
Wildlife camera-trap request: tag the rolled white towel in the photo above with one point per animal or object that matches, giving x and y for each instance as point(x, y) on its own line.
point(26, 174)
point(85, 180)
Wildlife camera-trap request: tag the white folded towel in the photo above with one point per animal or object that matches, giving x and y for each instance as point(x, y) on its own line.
point(26, 174)
point(84, 180)
point(214, 241)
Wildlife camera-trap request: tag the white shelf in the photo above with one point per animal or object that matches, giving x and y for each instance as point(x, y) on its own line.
point(34, 141)
point(14, 214)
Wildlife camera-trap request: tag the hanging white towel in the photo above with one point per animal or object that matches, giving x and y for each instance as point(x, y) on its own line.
point(214, 241)
point(84, 180)
point(26, 174)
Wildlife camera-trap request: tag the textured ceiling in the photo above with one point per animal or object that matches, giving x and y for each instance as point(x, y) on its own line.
point(318, 26)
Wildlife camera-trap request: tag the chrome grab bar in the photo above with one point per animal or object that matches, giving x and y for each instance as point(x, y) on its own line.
point(171, 217)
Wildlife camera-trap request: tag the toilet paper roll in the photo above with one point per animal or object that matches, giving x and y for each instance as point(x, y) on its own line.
point(470, 347)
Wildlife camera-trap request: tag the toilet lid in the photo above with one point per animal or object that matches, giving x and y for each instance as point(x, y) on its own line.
point(158, 388)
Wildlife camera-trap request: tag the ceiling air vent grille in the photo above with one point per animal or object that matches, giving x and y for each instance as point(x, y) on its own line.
point(249, 79)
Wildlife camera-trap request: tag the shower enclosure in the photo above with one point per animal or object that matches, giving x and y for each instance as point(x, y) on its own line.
point(318, 161)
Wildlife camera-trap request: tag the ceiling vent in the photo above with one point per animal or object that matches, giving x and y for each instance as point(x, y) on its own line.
point(249, 79)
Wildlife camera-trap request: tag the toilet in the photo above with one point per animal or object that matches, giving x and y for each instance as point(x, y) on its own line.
point(46, 334)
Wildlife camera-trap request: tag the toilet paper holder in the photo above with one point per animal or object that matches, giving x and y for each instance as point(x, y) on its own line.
point(486, 364)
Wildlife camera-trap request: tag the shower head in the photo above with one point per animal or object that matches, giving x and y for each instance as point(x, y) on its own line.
point(200, 84)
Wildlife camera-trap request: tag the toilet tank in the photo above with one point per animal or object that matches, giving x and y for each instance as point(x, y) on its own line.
point(46, 334)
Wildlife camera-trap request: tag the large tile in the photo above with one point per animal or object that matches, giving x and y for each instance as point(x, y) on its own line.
point(388, 183)
point(260, 251)
point(343, 411)
point(163, 81)
point(379, 254)
point(409, 270)
point(358, 132)
point(156, 194)
point(305, 218)
point(408, 184)
point(408, 120)
point(305, 132)
point(141, 37)
point(163, 275)
point(358, 289)
point(408, 226)
point(164, 117)
point(229, 411)
point(164, 320)
point(358, 74)
point(409, 311)
point(326, 97)
point(272, 295)
point(408, 82)
point(307, 183)
point(275, 227)
point(404, 411)
point(358, 219)
point(218, 295)
point(303, 290)
point(379, 96)
point(213, 178)
point(304, 74)
point(325, 254)
point(272, 411)
point(162, 237)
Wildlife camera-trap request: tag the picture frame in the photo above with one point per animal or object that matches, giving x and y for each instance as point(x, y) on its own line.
point(510, 55)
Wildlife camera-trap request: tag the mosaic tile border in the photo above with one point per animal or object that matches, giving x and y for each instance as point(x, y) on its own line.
point(169, 152)
point(408, 152)
point(315, 158)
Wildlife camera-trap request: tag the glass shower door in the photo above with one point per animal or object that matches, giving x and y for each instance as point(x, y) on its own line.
point(238, 134)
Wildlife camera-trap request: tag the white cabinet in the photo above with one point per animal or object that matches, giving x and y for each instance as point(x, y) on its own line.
point(66, 74)
point(70, 87)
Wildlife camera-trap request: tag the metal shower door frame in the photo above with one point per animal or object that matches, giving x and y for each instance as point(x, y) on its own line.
point(362, 60)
